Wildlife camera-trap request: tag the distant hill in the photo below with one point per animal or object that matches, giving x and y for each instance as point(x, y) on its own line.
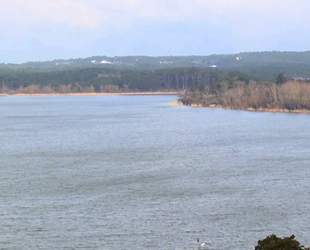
point(261, 66)
point(241, 60)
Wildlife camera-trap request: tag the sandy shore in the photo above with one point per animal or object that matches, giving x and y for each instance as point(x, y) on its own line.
point(94, 94)
point(179, 103)
point(175, 103)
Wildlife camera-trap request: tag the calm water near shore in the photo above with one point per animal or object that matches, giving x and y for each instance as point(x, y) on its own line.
point(133, 173)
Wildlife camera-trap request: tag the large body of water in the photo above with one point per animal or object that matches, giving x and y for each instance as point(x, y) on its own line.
point(133, 173)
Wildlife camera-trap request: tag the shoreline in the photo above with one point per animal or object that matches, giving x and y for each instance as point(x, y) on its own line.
point(297, 111)
point(172, 103)
point(176, 103)
point(92, 94)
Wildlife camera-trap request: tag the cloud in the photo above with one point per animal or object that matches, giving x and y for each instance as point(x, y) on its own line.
point(70, 12)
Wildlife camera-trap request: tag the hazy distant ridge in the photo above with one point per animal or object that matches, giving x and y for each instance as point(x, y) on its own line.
point(241, 60)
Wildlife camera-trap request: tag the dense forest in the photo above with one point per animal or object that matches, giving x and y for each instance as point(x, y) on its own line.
point(111, 80)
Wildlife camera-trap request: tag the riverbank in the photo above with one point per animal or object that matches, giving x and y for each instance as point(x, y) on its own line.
point(92, 94)
point(300, 111)
point(297, 111)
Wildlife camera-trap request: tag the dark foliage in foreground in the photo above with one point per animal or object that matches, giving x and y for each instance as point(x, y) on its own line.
point(272, 242)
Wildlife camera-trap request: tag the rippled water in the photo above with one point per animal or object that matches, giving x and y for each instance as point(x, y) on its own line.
point(132, 172)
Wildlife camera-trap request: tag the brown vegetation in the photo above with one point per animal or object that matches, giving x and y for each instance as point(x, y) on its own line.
point(61, 89)
point(76, 89)
point(290, 96)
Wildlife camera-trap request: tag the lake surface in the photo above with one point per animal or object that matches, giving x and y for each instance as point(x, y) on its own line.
point(132, 172)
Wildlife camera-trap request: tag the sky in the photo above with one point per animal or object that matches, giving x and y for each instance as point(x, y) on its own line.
point(39, 30)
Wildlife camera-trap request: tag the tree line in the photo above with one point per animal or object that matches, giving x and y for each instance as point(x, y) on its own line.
point(110, 80)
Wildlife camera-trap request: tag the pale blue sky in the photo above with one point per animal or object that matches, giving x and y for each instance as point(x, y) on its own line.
point(36, 30)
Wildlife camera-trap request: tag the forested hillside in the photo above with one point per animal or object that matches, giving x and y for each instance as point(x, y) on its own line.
point(257, 65)
point(248, 59)
point(241, 60)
